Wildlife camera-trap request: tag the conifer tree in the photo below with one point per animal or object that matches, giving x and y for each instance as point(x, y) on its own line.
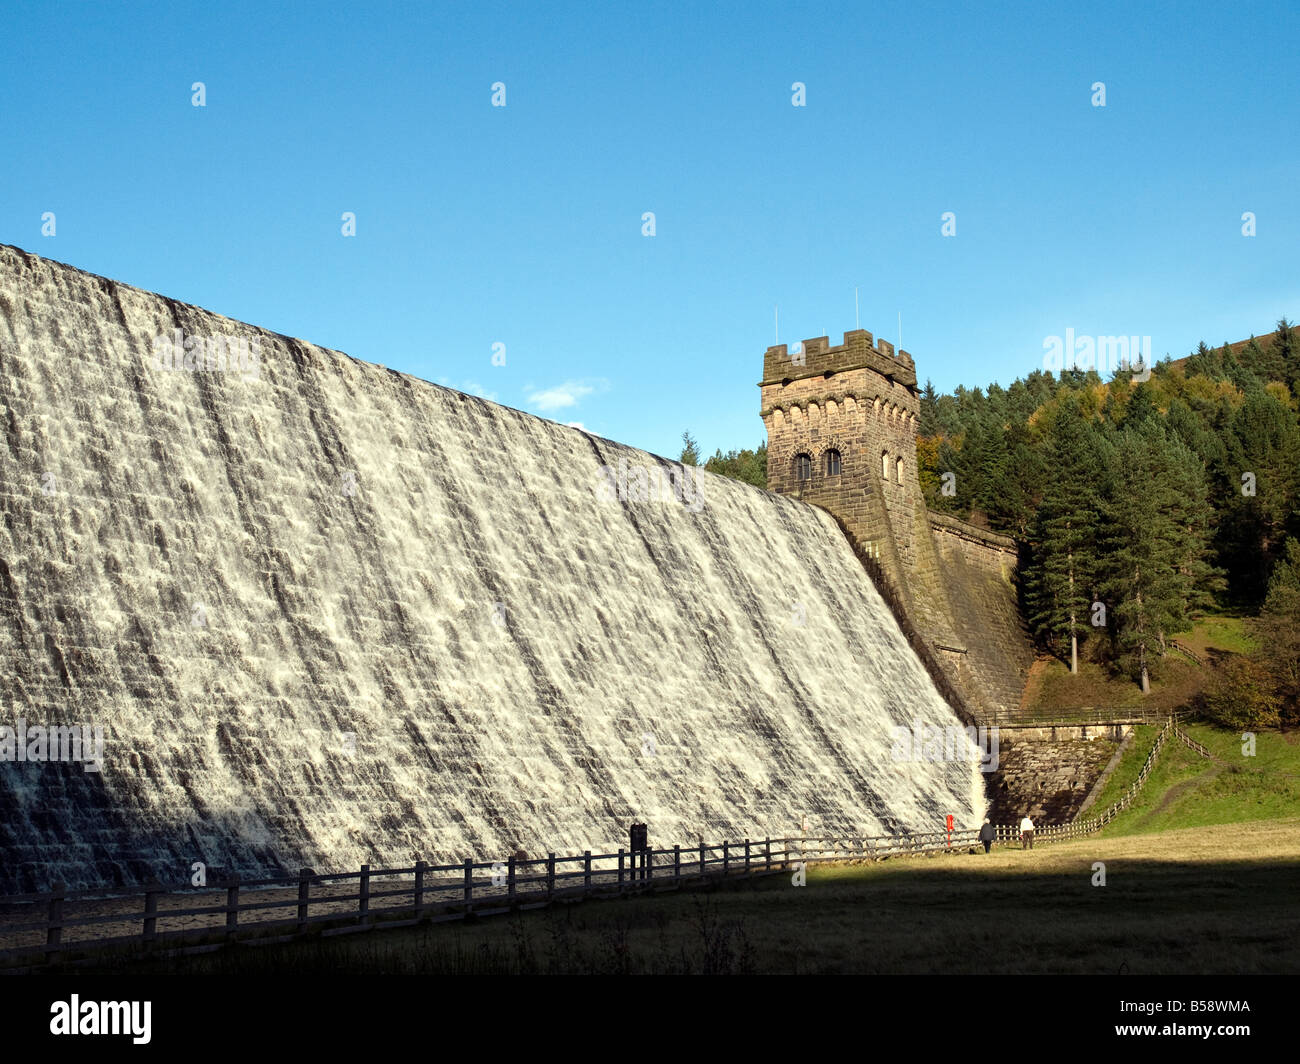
point(743, 465)
point(929, 410)
point(1287, 346)
point(1279, 630)
point(1146, 547)
point(1063, 571)
point(1261, 484)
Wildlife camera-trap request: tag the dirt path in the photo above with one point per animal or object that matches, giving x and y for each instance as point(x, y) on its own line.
point(1177, 791)
point(1034, 682)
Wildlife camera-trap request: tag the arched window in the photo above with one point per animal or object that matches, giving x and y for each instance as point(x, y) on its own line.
point(884, 465)
point(898, 470)
point(803, 467)
point(832, 463)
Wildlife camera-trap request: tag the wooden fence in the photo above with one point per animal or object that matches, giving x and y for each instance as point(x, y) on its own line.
point(1080, 715)
point(1187, 652)
point(76, 926)
point(1191, 743)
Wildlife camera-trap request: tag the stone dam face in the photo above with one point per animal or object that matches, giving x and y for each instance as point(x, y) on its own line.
point(326, 613)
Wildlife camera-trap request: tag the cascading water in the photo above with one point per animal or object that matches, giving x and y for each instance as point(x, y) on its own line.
point(326, 613)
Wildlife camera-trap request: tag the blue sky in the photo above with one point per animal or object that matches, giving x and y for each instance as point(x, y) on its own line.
point(522, 225)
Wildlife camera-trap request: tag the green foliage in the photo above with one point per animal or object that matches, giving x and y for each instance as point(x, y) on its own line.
point(1153, 542)
point(1284, 584)
point(1134, 490)
point(1259, 477)
point(1062, 578)
point(1242, 695)
point(748, 466)
point(690, 450)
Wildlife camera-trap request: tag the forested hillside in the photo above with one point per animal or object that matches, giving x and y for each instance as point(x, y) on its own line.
point(1140, 503)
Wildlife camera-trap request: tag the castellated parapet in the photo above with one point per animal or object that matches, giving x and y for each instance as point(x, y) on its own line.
point(841, 426)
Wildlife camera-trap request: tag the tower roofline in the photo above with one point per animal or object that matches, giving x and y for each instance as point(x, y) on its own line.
point(858, 351)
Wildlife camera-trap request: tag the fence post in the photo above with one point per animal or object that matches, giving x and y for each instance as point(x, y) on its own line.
point(469, 883)
point(746, 857)
point(550, 876)
point(150, 914)
point(620, 870)
point(677, 863)
point(304, 895)
point(648, 862)
point(701, 858)
point(363, 901)
point(586, 871)
point(54, 919)
point(510, 881)
point(726, 859)
point(767, 850)
point(232, 907)
point(419, 888)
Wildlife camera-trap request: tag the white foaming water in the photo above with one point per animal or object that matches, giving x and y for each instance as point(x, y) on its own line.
point(329, 614)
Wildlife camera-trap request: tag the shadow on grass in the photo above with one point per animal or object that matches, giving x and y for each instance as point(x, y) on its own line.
point(923, 916)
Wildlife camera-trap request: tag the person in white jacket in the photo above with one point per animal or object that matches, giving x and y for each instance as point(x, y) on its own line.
point(1026, 833)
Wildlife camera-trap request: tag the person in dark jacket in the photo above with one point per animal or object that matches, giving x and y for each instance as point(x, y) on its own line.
point(987, 835)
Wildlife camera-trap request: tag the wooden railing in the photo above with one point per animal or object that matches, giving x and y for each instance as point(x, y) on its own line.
point(1187, 651)
point(36, 927)
point(1080, 715)
point(1192, 744)
point(78, 925)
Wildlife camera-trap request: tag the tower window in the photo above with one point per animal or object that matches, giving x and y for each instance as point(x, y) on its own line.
point(884, 465)
point(803, 467)
point(898, 470)
point(832, 463)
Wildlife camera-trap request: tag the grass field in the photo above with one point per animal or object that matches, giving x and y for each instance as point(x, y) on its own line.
point(1185, 790)
point(1219, 899)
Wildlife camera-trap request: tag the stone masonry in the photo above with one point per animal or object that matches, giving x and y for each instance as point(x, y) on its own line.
point(841, 426)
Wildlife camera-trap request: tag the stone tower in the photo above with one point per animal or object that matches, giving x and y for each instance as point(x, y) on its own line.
point(856, 402)
point(841, 434)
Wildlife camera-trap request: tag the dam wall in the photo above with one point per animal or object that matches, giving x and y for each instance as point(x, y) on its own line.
point(326, 613)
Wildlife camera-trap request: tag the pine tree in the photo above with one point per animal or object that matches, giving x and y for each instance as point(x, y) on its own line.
point(690, 450)
point(1063, 571)
point(743, 465)
point(1140, 408)
point(1195, 518)
point(1264, 363)
point(1287, 347)
point(929, 410)
point(1145, 547)
point(1204, 362)
point(1261, 479)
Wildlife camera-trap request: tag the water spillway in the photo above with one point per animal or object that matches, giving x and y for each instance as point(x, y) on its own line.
point(326, 613)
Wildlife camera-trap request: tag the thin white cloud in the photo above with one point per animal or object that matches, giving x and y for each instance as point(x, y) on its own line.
point(563, 396)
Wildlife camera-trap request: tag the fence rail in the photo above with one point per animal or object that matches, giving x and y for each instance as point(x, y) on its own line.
point(1187, 651)
point(1192, 744)
point(34, 928)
